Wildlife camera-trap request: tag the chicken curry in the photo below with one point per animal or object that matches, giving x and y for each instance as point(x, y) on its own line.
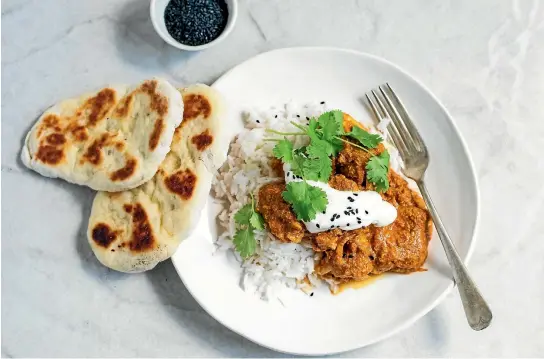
point(355, 255)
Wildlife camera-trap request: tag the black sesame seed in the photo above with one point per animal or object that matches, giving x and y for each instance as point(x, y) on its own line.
point(307, 118)
point(276, 116)
point(347, 225)
point(298, 116)
point(322, 102)
point(351, 199)
point(312, 294)
point(333, 218)
point(323, 212)
point(357, 210)
point(349, 207)
point(258, 121)
point(195, 22)
point(355, 194)
point(346, 213)
point(366, 212)
point(359, 219)
point(317, 225)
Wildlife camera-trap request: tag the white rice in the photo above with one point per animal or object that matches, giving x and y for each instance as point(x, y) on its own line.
point(277, 266)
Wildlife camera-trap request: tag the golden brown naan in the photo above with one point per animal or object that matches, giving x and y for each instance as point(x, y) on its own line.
point(132, 231)
point(110, 140)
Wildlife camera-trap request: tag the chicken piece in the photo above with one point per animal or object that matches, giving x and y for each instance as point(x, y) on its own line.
point(352, 259)
point(342, 183)
point(326, 240)
point(278, 215)
point(399, 194)
point(402, 246)
point(277, 166)
point(351, 161)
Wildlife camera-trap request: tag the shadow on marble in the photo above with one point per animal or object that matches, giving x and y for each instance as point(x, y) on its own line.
point(437, 330)
point(139, 44)
point(178, 302)
point(19, 161)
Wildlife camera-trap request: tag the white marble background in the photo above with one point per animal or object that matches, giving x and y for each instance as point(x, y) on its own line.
point(484, 59)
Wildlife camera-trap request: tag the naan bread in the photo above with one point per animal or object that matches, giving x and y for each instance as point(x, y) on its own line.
point(132, 231)
point(110, 140)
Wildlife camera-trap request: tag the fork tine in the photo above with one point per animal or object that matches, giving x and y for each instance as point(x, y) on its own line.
point(379, 115)
point(394, 134)
point(374, 108)
point(397, 120)
point(397, 141)
point(407, 120)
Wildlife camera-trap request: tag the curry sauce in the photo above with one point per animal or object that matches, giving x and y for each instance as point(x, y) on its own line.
point(354, 256)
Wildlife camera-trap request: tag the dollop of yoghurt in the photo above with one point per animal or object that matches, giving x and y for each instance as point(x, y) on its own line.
point(347, 210)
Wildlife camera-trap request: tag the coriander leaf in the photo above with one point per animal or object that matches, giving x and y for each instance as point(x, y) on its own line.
point(368, 140)
point(284, 151)
point(243, 216)
point(331, 124)
point(297, 164)
point(317, 141)
point(337, 146)
point(312, 130)
point(377, 168)
point(245, 243)
point(257, 221)
point(306, 200)
point(318, 168)
point(319, 148)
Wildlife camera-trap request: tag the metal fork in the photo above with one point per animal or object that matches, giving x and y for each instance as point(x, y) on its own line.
point(415, 156)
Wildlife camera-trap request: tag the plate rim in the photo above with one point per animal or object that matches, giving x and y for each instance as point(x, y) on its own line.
point(475, 230)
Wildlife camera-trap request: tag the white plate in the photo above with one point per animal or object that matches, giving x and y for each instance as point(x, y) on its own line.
point(325, 324)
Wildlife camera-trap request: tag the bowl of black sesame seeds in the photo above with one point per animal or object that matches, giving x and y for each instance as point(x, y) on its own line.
point(193, 24)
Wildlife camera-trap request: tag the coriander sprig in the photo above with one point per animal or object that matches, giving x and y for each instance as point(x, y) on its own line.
point(313, 162)
point(247, 221)
point(327, 139)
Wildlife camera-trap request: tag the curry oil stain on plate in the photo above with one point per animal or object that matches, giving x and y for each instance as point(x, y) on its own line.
point(356, 284)
point(341, 78)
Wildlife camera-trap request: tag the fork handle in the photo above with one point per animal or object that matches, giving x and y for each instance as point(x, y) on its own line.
point(476, 309)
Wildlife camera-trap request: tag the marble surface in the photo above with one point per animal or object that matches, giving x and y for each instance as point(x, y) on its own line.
point(484, 59)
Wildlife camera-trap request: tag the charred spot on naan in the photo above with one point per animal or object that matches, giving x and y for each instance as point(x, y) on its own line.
point(202, 140)
point(103, 235)
point(159, 103)
point(195, 105)
point(126, 171)
point(123, 107)
point(93, 154)
point(79, 133)
point(127, 208)
point(182, 183)
point(55, 139)
point(49, 122)
point(156, 134)
point(50, 154)
point(99, 106)
point(142, 234)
